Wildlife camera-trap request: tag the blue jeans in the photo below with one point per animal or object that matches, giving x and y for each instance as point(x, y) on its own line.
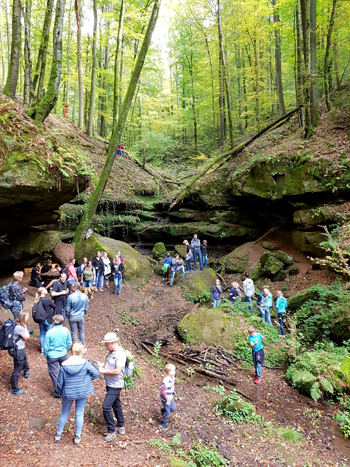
point(118, 280)
point(199, 254)
point(44, 327)
point(280, 319)
point(79, 415)
point(70, 282)
point(265, 314)
point(258, 367)
point(205, 260)
point(216, 303)
point(88, 283)
point(167, 408)
point(172, 274)
point(16, 309)
point(77, 325)
point(249, 300)
point(99, 280)
point(188, 265)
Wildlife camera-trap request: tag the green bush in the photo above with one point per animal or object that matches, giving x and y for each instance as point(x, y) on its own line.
point(206, 457)
point(318, 373)
point(343, 417)
point(235, 408)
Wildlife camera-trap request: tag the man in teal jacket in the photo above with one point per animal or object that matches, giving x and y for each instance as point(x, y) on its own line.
point(57, 343)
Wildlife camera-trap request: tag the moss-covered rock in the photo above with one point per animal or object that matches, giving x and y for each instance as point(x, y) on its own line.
point(181, 250)
point(268, 246)
point(159, 251)
point(282, 256)
point(309, 242)
point(280, 276)
point(242, 259)
point(293, 270)
point(313, 293)
point(196, 285)
point(272, 266)
point(138, 271)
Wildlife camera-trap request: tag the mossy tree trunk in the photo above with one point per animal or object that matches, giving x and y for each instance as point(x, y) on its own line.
point(86, 220)
point(93, 74)
point(13, 69)
point(117, 50)
point(327, 62)
point(28, 83)
point(306, 20)
point(43, 108)
point(78, 14)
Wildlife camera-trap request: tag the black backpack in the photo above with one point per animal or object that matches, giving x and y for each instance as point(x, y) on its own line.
point(38, 312)
point(6, 335)
point(4, 297)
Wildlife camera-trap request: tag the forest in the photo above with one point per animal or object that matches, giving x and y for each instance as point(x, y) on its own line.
point(159, 133)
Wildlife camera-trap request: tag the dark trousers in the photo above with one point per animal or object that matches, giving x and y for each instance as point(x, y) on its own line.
point(281, 319)
point(37, 283)
point(167, 408)
point(52, 364)
point(112, 401)
point(20, 364)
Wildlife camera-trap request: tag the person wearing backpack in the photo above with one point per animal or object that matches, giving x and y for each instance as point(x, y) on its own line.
point(249, 290)
point(113, 371)
point(57, 344)
point(20, 362)
point(216, 292)
point(81, 268)
point(74, 383)
point(48, 308)
point(176, 266)
point(16, 293)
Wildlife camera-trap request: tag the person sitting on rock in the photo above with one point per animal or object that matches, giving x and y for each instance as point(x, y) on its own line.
point(216, 292)
point(121, 151)
point(47, 268)
point(16, 293)
point(176, 266)
point(264, 304)
point(189, 257)
point(204, 253)
point(235, 293)
point(35, 276)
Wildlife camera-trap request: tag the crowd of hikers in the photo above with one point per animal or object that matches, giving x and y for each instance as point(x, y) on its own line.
point(72, 376)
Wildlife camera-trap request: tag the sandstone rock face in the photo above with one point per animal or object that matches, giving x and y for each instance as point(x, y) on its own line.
point(138, 271)
point(308, 243)
point(62, 253)
point(197, 284)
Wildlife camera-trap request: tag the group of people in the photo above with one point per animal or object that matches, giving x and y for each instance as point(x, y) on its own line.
point(264, 300)
point(195, 251)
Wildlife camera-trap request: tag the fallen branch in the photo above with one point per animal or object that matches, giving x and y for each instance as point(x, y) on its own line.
point(233, 152)
point(237, 390)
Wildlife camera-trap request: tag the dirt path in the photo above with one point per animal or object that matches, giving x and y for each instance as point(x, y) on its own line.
point(28, 422)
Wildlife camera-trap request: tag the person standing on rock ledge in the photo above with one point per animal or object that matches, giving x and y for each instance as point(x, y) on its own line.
point(249, 290)
point(196, 249)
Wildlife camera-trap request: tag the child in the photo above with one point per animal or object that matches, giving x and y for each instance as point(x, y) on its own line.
point(235, 293)
point(216, 292)
point(255, 340)
point(176, 265)
point(166, 265)
point(264, 304)
point(167, 391)
point(281, 305)
point(204, 252)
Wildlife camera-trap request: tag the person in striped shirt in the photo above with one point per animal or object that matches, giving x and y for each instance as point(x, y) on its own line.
point(167, 390)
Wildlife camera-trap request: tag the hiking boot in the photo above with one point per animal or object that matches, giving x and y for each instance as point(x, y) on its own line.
point(18, 392)
point(257, 380)
point(76, 440)
point(26, 374)
point(163, 426)
point(120, 430)
point(57, 438)
point(110, 437)
point(113, 293)
point(254, 377)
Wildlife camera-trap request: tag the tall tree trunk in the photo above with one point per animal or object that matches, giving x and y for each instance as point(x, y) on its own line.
point(190, 69)
point(3, 74)
point(28, 83)
point(120, 81)
point(118, 130)
point(40, 66)
point(13, 69)
point(300, 74)
point(336, 69)
point(327, 63)
point(276, 19)
point(8, 32)
point(221, 104)
point(305, 15)
point(68, 55)
point(93, 74)
point(239, 87)
point(224, 73)
point(212, 89)
point(40, 112)
point(104, 81)
point(117, 50)
point(313, 58)
point(78, 14)
point(244, 83)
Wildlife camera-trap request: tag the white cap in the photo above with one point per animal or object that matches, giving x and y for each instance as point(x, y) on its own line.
point(111, 337)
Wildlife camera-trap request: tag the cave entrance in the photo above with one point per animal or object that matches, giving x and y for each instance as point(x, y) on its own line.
point(280, 180)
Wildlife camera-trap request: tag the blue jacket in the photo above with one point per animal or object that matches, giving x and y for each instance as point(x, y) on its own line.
point(167, 260)
point(266, 301)
point(75, 378)
point(281, 305)
point(77, 305)
point(196, 245)
point(216, 292)
point(57, 342)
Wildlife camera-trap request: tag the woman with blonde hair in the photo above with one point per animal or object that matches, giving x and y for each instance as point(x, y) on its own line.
point(75, 384)
point(118, 273)
point(20, 363)
point(48, 306)
point(16, 293)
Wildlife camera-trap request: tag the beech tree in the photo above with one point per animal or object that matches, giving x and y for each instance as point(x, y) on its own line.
point(13, 69)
